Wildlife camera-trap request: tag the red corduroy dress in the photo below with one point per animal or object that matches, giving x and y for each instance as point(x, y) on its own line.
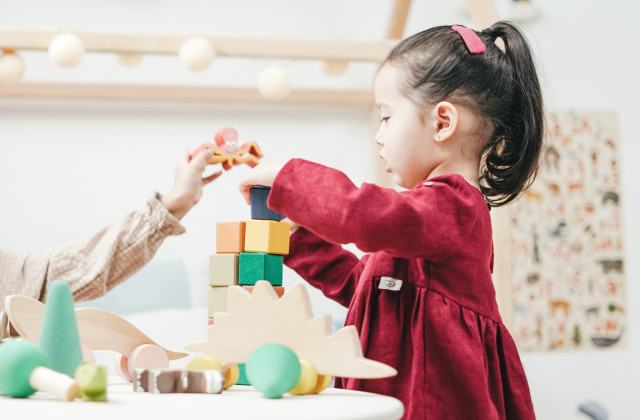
point(422, 299)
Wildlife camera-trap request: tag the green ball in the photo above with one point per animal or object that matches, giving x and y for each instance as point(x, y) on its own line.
point(273, 369)
point(18, 358)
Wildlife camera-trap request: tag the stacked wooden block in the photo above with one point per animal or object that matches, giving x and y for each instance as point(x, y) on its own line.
point(247, 252)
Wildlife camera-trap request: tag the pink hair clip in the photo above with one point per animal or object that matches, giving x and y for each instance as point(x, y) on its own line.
point(471, 39)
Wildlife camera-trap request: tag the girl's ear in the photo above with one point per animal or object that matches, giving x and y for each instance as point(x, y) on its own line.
point(446, 121)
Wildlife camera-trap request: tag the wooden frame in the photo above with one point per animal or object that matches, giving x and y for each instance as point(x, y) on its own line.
point(331, 50)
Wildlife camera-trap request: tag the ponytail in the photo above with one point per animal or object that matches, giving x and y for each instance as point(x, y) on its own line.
point(512, 154)
point(501, 87)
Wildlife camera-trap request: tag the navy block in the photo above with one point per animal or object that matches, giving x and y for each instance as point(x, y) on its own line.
point(259, 209)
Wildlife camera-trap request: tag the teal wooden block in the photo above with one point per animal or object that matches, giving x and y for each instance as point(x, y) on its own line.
point(242, 378)
point(223, 269)
point(256, 266)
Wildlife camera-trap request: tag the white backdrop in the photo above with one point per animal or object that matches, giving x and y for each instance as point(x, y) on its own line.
point(69, 167)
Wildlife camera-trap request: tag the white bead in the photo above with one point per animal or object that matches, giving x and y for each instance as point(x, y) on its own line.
point(66, 50)
point(274, 83)
point(197, 53)
point(11, 68)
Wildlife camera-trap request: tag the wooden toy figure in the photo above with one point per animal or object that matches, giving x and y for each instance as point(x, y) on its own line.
point(92, 381)
point(164, 381)
point(261, 317)
point(98, 330)
point(227, 151)
point(273, 369)
point(58, 336)
point(23, 371)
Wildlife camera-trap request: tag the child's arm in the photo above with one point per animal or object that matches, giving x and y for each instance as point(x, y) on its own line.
point(426, 222)
point(328, 267)
point(187, 189)
point(94, 265)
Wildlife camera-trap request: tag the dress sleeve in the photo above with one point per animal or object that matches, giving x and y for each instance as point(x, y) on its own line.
point(328, 267)
point(426, 222)
point(95, 264)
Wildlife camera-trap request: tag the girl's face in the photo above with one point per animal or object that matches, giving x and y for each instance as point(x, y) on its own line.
point(408, 145)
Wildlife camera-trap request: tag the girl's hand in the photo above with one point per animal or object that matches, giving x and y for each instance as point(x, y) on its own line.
point(264, 174)
point(294, 225)
point(187, 187)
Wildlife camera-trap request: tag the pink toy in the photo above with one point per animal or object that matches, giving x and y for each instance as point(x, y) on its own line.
point(227, 152)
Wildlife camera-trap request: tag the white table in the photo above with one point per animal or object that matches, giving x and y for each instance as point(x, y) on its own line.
point(238, 402)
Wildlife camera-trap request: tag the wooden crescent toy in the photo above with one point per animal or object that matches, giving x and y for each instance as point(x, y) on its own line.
point(98, 329)
point(261, 317)
point(227, 151)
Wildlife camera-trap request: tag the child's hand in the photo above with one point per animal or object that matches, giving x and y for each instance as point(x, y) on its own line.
point(263, 174)
point(187, 187)
point(294, 225)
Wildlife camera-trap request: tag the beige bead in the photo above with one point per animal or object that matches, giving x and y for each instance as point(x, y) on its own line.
point(66, 50)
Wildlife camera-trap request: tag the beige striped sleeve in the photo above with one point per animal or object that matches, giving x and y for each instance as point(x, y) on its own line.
point(92, 265)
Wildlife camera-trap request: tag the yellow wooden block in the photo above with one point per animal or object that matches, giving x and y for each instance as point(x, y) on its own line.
point(223, 269)
point(267, 236)
point(230, 237)
point(218, 299)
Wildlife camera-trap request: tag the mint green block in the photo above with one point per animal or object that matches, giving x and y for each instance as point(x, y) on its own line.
point(242, 377)
point(256, 266)
point(59, 339)
point(19, 358)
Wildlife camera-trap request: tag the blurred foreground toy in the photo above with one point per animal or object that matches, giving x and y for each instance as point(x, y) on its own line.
point(23, 371)
point(231, 374)
point(163, 381)
point(98, 330)
point(273, 369)
point(92, 381)
point(227, 151)
point(260, 317)
point(58, 337)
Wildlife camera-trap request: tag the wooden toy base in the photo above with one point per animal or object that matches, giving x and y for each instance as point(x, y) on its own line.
point(123, 402)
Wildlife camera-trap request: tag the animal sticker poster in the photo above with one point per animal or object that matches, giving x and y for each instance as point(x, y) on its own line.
point(567, 240)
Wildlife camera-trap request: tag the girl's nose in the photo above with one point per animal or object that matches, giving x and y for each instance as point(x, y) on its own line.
point(379, 140)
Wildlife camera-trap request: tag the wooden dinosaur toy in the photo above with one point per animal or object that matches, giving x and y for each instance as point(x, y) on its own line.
point(261, 317)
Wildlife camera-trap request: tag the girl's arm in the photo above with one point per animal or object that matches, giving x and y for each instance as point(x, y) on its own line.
point(328, 267)
point(426, 222)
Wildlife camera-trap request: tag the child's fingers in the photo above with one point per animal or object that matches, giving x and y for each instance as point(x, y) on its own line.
point(211, 177)
point(200, 161)
point(185, 156)
point(246, 192)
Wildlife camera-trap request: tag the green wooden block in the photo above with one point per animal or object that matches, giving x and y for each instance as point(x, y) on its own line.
point(92, 381)
point(242, 378)
point(223, 269)
point(259, 266)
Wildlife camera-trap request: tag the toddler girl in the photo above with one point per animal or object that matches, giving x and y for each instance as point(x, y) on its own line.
point(462, 130)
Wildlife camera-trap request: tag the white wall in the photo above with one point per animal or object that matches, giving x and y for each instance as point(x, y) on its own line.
point(68, 167)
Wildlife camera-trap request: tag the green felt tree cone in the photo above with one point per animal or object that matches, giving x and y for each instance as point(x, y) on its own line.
point(59, 338)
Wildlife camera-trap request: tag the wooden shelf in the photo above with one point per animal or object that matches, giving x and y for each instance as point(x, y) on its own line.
point(183, 93)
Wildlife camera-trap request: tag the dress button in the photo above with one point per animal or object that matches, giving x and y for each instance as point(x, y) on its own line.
point(428, 184)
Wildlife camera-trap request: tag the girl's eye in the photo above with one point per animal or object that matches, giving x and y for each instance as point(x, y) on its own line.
point(384, 119)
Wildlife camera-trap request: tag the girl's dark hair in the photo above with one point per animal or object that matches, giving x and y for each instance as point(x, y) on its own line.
point(502, 87)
